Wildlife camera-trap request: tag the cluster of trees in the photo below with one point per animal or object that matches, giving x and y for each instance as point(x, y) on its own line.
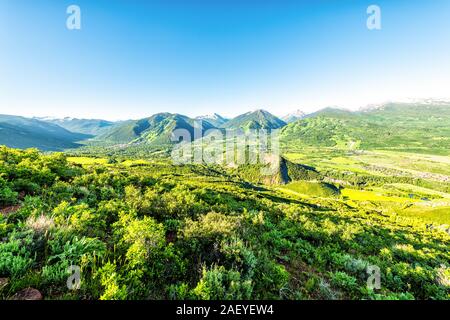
point(362, 180)
point(159, 231)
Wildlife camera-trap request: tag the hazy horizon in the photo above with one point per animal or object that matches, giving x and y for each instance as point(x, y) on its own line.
point(228, 116)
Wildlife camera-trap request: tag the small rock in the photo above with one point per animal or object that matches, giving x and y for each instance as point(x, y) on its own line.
point(3, 282)
point(28, 294)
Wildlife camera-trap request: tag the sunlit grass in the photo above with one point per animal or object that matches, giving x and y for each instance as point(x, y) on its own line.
point(363, 195)
point(313, 189)
point(129, 163)
point(440, 215)
point(87, 160)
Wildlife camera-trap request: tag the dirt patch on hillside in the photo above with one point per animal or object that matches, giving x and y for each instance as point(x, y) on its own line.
point(28, 294)
point(6, 211)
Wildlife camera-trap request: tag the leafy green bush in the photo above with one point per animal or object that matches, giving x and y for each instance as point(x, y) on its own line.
point(269, 278)
point(238, 257)
point(218, 283)
point(75, 250)
point(16, 258)
point(180, 292)
point(210, 226)
point(343, 280)
point(146, 238)
point(7, 195)
point(110, 280)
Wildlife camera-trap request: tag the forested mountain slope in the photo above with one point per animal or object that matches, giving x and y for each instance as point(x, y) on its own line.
point(20, 132)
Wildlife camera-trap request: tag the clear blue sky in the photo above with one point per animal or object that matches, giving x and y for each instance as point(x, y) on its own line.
point(134, 58)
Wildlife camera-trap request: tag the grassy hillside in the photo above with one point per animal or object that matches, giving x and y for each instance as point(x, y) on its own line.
point(312, 189)
point(151, 230)
point(284, 172)
point(403, 127)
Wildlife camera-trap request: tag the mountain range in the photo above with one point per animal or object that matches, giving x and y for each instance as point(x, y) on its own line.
point(21, 132)
point(50, 134)
point(405, 127)
point(294, 116)
point(397, 124)
point(156, 129)
point(86, 126)
point(214, 119)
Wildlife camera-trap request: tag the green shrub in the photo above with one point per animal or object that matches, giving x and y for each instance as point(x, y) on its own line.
point(111, 282)
point(269, 278)
point(237, 256)
point(179, 292)
point(218, 283)
point(56, 274)
point(146, 238)
point(7, 196)
point(343, 281)
point(16, 258)
point(75, 251)
point(210, 226)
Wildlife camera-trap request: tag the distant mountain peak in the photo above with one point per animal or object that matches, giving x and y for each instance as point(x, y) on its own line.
point(262, 111)
point(45, 118)
point(257, 119)
point(215, 119)
point(294, 116)
point(214, 116)
point(407, 102)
